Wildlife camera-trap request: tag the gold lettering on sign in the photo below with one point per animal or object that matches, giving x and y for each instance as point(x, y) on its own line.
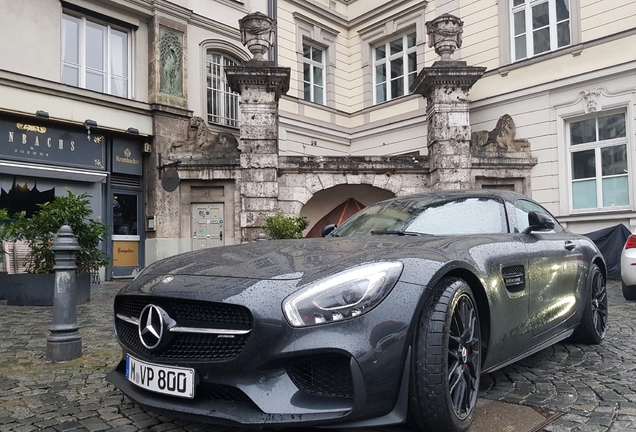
point(131, 161)
point(31, 128)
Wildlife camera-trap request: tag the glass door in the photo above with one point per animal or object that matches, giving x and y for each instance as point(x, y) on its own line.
point(127, 256)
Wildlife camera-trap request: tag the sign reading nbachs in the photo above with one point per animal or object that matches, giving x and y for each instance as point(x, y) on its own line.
point(127, 156)
point(36, 142)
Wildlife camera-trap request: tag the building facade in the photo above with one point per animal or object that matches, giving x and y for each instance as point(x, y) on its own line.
point(94, 93)
point(562, 70)
point(129, 101)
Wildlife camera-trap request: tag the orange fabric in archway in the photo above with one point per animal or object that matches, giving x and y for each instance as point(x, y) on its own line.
point(337, 216)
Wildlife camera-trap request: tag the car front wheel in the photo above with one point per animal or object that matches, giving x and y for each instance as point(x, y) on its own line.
point(447, 360)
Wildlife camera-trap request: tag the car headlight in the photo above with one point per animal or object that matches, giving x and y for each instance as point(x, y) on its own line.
point(345, 295)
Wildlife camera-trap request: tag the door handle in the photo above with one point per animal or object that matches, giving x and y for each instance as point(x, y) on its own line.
point(569, 245)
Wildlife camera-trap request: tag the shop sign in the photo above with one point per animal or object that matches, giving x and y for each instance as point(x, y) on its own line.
point(29, 141)
point(127, 157)
point(125, 253)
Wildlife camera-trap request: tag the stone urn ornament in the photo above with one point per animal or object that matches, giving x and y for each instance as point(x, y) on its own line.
point(445, 35)
point(257, 34)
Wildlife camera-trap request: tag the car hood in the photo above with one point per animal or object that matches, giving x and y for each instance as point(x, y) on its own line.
point(295, 259)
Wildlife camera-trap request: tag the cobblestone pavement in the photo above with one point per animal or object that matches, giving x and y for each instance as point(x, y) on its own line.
point(594, 386)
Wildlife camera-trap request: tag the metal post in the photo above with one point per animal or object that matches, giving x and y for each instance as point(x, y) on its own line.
point(64, 343)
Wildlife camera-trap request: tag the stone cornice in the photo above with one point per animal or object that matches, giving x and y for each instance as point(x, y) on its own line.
point(503, 160)
point(442, 75)
point(353, 164)
point(343, 21)
point(38, 85)
point(253, 73)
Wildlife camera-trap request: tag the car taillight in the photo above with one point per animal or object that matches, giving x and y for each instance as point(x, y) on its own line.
point(631, 242)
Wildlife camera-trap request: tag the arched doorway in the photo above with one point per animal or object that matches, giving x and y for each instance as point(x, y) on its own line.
point(325, 201)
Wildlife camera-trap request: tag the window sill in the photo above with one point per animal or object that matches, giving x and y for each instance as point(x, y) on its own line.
point(600, 214)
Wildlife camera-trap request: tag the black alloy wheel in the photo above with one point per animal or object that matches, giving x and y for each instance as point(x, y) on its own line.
point(594, 321)
point(447, 360)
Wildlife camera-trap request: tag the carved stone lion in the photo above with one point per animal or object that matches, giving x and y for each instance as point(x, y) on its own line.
point(201, 138)
point(500, 139)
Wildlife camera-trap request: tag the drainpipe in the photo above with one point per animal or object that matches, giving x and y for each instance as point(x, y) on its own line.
point(272, 12)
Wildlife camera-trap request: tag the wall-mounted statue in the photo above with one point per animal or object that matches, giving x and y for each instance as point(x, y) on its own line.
point(200, 139)
point(171, 62)
point(500, 139)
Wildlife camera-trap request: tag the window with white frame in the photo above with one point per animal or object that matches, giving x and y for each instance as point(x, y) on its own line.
point(598, 158)
point(222, 102)
point(395, 67)
point(313, 74)
point(95, 55)
point(539, 26)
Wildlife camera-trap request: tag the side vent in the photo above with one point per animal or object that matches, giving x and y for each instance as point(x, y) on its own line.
point(514, 278)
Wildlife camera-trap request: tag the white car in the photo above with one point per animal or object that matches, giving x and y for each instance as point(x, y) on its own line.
point(628, 268)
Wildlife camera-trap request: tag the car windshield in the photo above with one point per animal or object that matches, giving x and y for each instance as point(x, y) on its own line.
point(413, 217)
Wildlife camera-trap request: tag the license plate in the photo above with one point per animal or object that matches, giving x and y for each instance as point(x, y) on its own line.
point(170, 380)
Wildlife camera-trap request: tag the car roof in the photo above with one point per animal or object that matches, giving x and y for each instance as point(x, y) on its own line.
point(459, 193)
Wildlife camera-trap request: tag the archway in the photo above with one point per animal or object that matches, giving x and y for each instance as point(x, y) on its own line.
point(324, 201)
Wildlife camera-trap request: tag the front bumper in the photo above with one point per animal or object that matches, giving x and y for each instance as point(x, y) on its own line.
point(261, 385)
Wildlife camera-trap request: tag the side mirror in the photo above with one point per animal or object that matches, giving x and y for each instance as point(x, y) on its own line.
point(327, 230)
point(538, 222)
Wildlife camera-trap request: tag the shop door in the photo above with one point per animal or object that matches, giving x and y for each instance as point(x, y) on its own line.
point(207, 226)
point(127, 258)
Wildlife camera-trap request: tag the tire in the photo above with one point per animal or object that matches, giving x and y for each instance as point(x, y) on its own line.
point(446, 360)
point(594, 321)
point(629, 292)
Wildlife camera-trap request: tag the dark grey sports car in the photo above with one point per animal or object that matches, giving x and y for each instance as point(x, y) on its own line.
point(392, 317)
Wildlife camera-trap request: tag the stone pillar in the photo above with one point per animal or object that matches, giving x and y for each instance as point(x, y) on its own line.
point(260, 85)
point(445, 86)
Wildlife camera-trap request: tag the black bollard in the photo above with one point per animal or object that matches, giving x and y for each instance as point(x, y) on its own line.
point(64, 343)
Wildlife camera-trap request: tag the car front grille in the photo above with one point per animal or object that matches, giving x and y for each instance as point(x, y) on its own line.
point(323, 376)
point(196, 314)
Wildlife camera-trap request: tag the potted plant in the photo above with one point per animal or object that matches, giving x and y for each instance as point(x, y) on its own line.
point(39, 231)
point(280, 226)
point(4, 218)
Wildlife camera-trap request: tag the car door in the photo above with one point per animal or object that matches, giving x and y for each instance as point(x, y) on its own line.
point(553, 272)
point(480, 231)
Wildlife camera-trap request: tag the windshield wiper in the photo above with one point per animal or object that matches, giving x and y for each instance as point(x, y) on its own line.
point(398, 232)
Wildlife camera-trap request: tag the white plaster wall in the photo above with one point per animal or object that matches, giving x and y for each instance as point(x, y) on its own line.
point(603, 18)
point(31, 26)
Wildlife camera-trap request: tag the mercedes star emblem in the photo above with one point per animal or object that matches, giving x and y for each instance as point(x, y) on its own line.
point(151, 326)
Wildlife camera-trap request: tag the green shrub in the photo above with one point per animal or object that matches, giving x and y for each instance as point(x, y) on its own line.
point(286, 227)
point(40, 230)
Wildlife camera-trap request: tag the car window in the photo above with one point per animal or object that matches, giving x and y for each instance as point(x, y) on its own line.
point(477, 215)
point(524, 207)
point(466, 216)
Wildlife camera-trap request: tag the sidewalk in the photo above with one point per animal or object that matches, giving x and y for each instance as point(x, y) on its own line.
point(563, 388)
